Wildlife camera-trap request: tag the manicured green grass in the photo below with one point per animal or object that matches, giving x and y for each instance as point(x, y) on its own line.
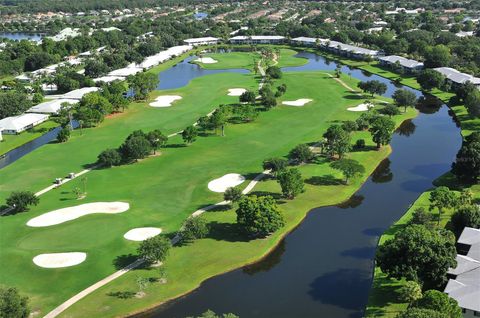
point(188, 266)
point(245, 60)
point(41, 167)
point(13, 141)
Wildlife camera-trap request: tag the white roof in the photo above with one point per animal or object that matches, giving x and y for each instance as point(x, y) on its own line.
point(351, 48)
point(456, 76)
point(20, 122)
point(78, 93)
point(50, 107)
point(403, 61)
point(258, 37)
point(126, 71)
point(200, 40)
point(111, 29)
point(108, 79)
point(307, 39)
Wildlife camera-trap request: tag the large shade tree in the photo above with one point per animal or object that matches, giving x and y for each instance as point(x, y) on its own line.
point(420, 254)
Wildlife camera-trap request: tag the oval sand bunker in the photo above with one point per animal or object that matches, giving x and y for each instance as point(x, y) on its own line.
point(74, 212)
point(206, 60)
point(225, 182)
point(236, 91)
point(298, 102)
point(361, 108)
point(165, 101)
point(142, 233)
point(58, 260)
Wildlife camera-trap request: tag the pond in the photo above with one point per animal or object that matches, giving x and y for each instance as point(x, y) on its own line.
point(324, 268)
point(17, 36)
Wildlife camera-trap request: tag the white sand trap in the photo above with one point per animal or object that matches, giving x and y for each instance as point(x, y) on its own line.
point(165, 101)
point(206, 60)
point(361, 107)
point(142, 233)
point(74, 212)
point(58, 260)
point(225, 182)
point(298, 102)
point(236, 91)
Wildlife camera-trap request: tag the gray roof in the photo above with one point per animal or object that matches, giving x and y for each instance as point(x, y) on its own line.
point(258, 37)
point(403, 61)
point(469, 236)
point(465, 288)
point(456, 76)
point(351, 48)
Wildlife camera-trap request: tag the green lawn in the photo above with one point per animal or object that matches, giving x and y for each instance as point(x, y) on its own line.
point(302, 124)
point(13, 141)
point(245, 60)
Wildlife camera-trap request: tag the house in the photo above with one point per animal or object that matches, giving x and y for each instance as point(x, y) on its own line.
point(350, 50)
point(202, 41)
point(407, 65)
point(464, 282)
point(51, 107)
point(78, 93)
point(131, 69)
point(306, 41)
point(456, 78)
point(257, 39)
point(16, 124)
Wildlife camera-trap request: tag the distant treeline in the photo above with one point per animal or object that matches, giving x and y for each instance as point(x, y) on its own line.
point(29, 6)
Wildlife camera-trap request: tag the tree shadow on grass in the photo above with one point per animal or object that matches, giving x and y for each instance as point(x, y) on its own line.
point(323, 180)
point(276, 196)
point(122, 294)
point(175, 146)
point(123, 260)
point(353, 96)
point(230, 232)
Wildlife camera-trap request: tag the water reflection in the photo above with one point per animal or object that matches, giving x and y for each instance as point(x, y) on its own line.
point(268, 262)
point(354, 201)
point(407, 128)
point(383, 173)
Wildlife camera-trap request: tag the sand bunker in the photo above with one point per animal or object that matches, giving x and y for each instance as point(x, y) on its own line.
point(165, 101)
point(142, 233)
point(236, 91)
point(361, 107)
point(298, 102)
point(58, 260)
point(74, 212)
point(206, 60)
point(225, 182)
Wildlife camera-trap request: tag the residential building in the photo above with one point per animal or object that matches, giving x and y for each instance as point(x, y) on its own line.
point(51, 106)
point(202, 41)
point(257, 39)
point(456, 78)
point(306, 41)
point(16, 124)
point(407, 65)
point(464, 285)
point(350, 50)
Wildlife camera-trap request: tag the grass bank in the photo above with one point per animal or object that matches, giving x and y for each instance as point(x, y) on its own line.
point(11, 142)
